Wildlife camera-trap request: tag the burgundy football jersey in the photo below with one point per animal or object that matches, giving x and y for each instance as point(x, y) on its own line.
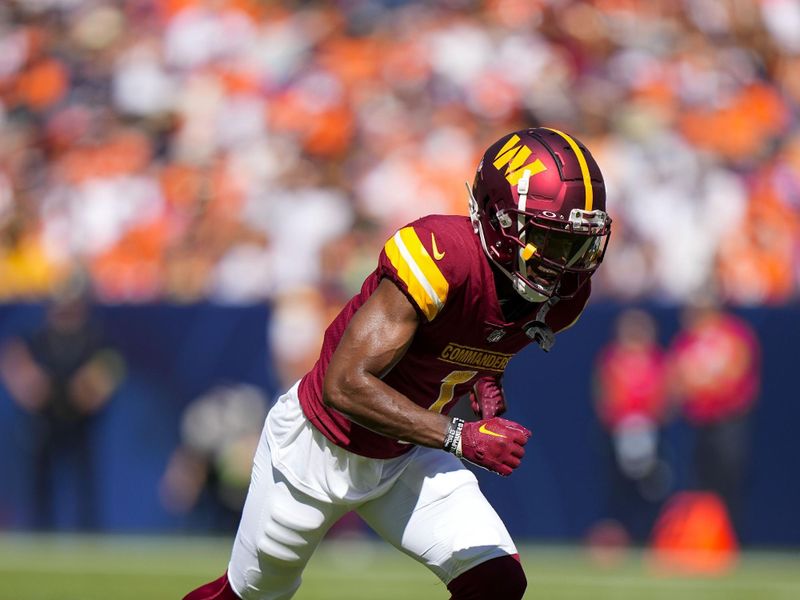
point(440, 266)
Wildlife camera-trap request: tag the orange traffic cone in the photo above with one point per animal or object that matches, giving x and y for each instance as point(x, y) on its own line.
point(693, 535)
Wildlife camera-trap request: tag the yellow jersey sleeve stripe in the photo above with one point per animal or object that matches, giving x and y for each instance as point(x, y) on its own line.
point(587, 179)
point(415, 267)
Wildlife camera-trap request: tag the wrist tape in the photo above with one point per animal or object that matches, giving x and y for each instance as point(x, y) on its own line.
point(452, 439)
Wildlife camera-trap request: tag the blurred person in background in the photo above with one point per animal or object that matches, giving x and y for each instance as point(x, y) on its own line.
point(451, 301)
point(63, 375)
point(715, 373)
point(631, 401)
point(208, 474)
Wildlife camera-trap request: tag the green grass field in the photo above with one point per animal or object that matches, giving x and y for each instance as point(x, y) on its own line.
point(131, 568)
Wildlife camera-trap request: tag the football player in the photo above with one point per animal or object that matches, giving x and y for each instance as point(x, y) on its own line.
point(451, 301)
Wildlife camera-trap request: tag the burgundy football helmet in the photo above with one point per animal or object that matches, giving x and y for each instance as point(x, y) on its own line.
point(538, 205)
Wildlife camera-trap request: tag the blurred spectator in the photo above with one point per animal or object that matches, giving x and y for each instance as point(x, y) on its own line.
point(716, 371)
point(297, 325)
point(631, 404)
point(62, 375)
point(207, 476)
point(167, 143)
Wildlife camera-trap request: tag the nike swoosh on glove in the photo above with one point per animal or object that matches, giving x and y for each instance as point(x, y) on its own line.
point(495, 444)
point(487, 398)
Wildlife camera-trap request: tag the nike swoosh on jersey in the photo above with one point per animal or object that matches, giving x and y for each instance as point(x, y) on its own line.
point(484, 429)
point(436, 254)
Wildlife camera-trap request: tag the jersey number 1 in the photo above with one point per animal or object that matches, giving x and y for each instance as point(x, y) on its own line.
point(447, 389)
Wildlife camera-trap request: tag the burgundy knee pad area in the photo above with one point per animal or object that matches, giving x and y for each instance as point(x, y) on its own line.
point(496, 579)
point(219, 589)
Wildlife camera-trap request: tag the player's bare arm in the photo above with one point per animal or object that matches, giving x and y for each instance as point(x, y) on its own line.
point(375, 339)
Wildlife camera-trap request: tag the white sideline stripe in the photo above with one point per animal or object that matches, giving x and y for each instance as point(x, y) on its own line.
point(426, 285)
point(644, 583)
point(98, 569)
point(655, 583)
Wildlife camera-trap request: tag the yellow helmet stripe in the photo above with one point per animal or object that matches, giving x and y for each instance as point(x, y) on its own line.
point(587, 179)
point(415, 267)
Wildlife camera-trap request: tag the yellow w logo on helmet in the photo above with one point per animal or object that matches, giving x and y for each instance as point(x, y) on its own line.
point(513, 157)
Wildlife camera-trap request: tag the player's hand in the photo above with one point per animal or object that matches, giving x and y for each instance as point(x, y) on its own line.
point(487, 398)
point(495, 444)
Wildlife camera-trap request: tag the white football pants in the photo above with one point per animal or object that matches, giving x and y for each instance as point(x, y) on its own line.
point(425, 503)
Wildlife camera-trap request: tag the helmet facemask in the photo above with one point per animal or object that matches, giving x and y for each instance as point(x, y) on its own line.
point(547, 248)
point(542, 246)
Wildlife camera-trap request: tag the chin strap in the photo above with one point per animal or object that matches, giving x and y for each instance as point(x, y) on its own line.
point(524, 253)
point(517, 283)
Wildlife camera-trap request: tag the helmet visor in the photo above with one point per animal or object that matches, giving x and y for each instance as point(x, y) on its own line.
point(567, 250)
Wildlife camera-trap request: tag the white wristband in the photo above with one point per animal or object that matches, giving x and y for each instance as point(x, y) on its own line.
point(452, 440)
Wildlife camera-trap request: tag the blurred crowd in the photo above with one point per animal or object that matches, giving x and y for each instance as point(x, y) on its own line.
point(248, 150)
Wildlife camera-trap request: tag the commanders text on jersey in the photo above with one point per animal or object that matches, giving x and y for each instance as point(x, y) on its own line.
point(473, 357)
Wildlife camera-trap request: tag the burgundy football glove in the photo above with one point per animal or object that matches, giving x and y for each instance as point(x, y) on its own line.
point(487, 398)
point(495, 444)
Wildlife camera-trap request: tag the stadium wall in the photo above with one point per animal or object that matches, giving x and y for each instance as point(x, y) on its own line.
point(175, 353)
